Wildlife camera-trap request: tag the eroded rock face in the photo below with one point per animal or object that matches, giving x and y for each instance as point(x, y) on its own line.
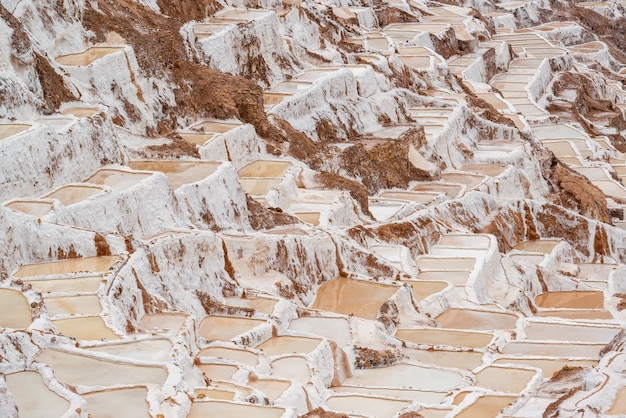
point(301, 209)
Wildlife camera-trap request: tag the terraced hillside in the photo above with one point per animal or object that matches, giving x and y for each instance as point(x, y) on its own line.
point(320, 208)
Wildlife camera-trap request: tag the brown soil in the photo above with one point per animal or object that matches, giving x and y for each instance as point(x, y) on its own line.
point(357, 190)
point(102, 246)
point(54, 89)
point(321, 413)
point(262, 218)
point(367, 358)
point(176, 148)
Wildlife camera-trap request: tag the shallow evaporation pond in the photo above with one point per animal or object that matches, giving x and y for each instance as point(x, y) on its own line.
point(548, 366)
point(27, 386)
point(557, 131)
point(478, 320)
point(117, 179)
point(218, 127)
point(563, 350)
point(487, 406)
point(118, 403)
point(422, 198)
point(242, 356)
point(353, 297)
point(31, 207)
point(272, 388)
point(533, 259)
point(335, 329)
point(14, 309)
point(196, 138)
point(9, 129)
point(265, 168)
point(85, 328)
point(76, 265)
point(571, 299)
point(567, 332)
point(439, 336)
point(217, 394)
point(218, 371)
point(366, 405)
point(457, 278)
point(595, 272)
point(423, 289)
point(171, 321)
point(264, 305)
point(467, 360)
point(292, 367)
point(465, 241)
point(537, 246)
point(75, 284)
point(504, 379)
point(618, 407)
point(421, 396)
point(406, 376)
point(446, 263)
point(80, 369)
point(69, 195)
point(226, 327)
point(157, 350)
point(223, 409)
point(71, 305)
point(86, 57)
point(595, 314)
point(491, 170)
point(259, 186)
point(469, 180)
point(179, 172)
point(287, 344)
point(80, 112)
point(450, 190)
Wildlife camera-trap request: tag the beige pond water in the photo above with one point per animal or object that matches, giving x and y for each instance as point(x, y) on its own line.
point(69, 195)
point(172, 321)
point(14, 309)
point(450, 190)
point(547, 366)
point(223, 409)
point(157, 350)
point(406, 376)
point(600, 314)
point(409, 197)
point(218, 371)
point(366, 405)
point(226, 327)
point(423, 288)
point(292, 367)
point(74, 284)
point(9, 129)
point(504, 379)
point(70, 305)
point(478, 320)
point(537, 246)
point(264, 305)
point(571, 299)
point(277, 346)
point(528, 258)
point(468, 360)
point(469, 180)
point(259, 186)
point(596, 272)
point(118, 403)
point(465, 241)
point(118, 180)
point(28, 386)
point(77, 369)
point(491, 170)
point(426, 262)
point(242, 356)
point(179, 172)
point(312, 218)
point(336, 329)
point(457, 278)
point(567, 332)
point(438, 336)
point(421, 396)
point(196, 138)
point(487, 406)
point(30, 207)
point(272, 388)
point(218, 394)
point(218, 127)
point(564, 350)
point(80, 112)
point(265, 168)
point(85, 328)
point(353, 297)
point(619, 404)
point(86, 57)
point(75, 265)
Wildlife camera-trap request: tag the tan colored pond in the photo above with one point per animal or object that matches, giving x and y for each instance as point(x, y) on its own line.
point(468, 360)
point(264, 305)
point(76, 369)
point(156, 350)
point(538, 246)
point(85, 328)
point(226, 327)
point(563, 350)
point(571, 299)
point(69, 195)
point(336, 329)
point(450, 190)
point(171, 321)
point(75, 284)
point(422, 198)
point(215, 126)
point(292, 367)
point(421, 396)
point(118, 180)
point(619, 404)
point(286, 344)
point(439, 336)
point(265, 168)
point(600, 314)
point(30, 207)
point(259, 186)
point(80, 111)
point(179, 172)
point(457, 278)
point(406, 376)
point(9, 129)
point(596, 272)
point(272, 388)
point(469, 180)
point(312, 218)
point(366, 405)
point(548, 366)
point(465, 241)
point(478, 320)
point(504, 379)
point(14, 309)
point(223, 387)
point(118, 403)
point(218, 394)
point(426, 262)
point(242, 356)
point(491, 170)
point(353, 297)
point(568, 332)
point(86, 57)
point(28, 386)
point(196, 138)
point(487, 406)
point(218, 371)
point(223, 409)
point(75, 265)
point(424, 288)
point(71, 305)
point(528, 258)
